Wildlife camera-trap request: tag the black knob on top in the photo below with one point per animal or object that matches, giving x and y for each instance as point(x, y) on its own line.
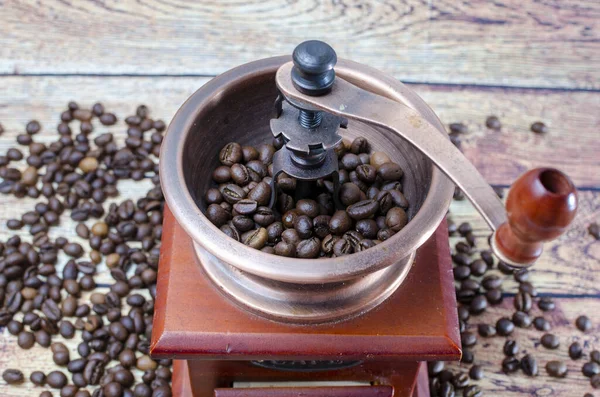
point(313, 72)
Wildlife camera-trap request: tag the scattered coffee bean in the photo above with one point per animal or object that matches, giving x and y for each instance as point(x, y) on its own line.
point(511, 348)
point(575, 351)
point(550, 341)
point(539, 128)
point(504, 327)
point(486, 330)
point(13, 376)
point(476, 372)
point(510, 365)
point(541, 324)
point(493, 123)
point(583, 323)
point(529, 365)
point(590, 369)
point(546, 304)
point(556, 369)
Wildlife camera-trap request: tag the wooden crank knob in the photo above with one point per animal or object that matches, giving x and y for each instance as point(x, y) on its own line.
point(540, 206)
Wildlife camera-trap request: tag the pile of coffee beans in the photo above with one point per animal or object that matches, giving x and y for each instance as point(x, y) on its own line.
point(43, 302)
point(370, 193)
point(476, 291)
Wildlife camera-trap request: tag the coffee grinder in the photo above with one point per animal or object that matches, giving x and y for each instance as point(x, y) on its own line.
point(241, 322)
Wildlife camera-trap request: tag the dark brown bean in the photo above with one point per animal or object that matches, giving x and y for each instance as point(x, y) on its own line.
point(13, 376)
point(583, 323)
point(556, 369)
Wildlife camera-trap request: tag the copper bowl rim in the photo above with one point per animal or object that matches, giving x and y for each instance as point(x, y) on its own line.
point(295, 270)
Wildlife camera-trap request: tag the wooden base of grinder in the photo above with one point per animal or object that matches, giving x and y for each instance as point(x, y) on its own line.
point(225, 344)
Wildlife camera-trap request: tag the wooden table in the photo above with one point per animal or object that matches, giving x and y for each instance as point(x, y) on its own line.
point(523, 61)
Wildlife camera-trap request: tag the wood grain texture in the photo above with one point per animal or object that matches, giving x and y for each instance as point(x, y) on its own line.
point(488, 351)
point(552, 43)
point(572, 144)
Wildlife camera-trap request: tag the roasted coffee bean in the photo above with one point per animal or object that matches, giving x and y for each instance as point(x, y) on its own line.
point(255, 238)
point(468, 339)
point(261, 193)
point(38, 378)
point(217, 215)
point(539, 128)
point(231, 153)
point(25, 340)
point(264, 216)
point(504, 327)
point(493, 123)
point(61, 358)
point(342, 247)
point(541, 324)
point(470, 284)
point(368, 228)
point(595, 356)
point(328, 243)
point(510, 365)
point(491, 282)
point(349, 193)
point(523, 302)
point(590, 369)
point(245, 207)
point(472, 391)
point(340, 222)
point(583, 323)
point(478, 267)
point(395, 219)
point(13, 376)
point(529, 365)
point(367, 208)
point(366, 173)
point(478, 304)
point(556, 369)
point(303, 225)
point(233, 193)
point(476, 372)
point(546, 304)
point(521, 319)
point(309, 248)
point(390, 172)
point(56, 379)
point(486, 330)
point(461, 272)
point(550, 341)
point(511, 348)
point(575, 351)
point(528, 288)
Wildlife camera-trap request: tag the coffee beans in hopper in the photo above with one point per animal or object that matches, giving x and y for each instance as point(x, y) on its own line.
point(77, 175)
point(374, 207)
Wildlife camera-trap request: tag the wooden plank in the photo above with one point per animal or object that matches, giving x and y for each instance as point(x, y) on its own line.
point(508, 42)
point(571, 144)
point(488, 351)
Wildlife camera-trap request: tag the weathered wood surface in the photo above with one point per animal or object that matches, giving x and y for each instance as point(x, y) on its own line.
point(488, 351)
point(508, 42)
point(571, 145)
